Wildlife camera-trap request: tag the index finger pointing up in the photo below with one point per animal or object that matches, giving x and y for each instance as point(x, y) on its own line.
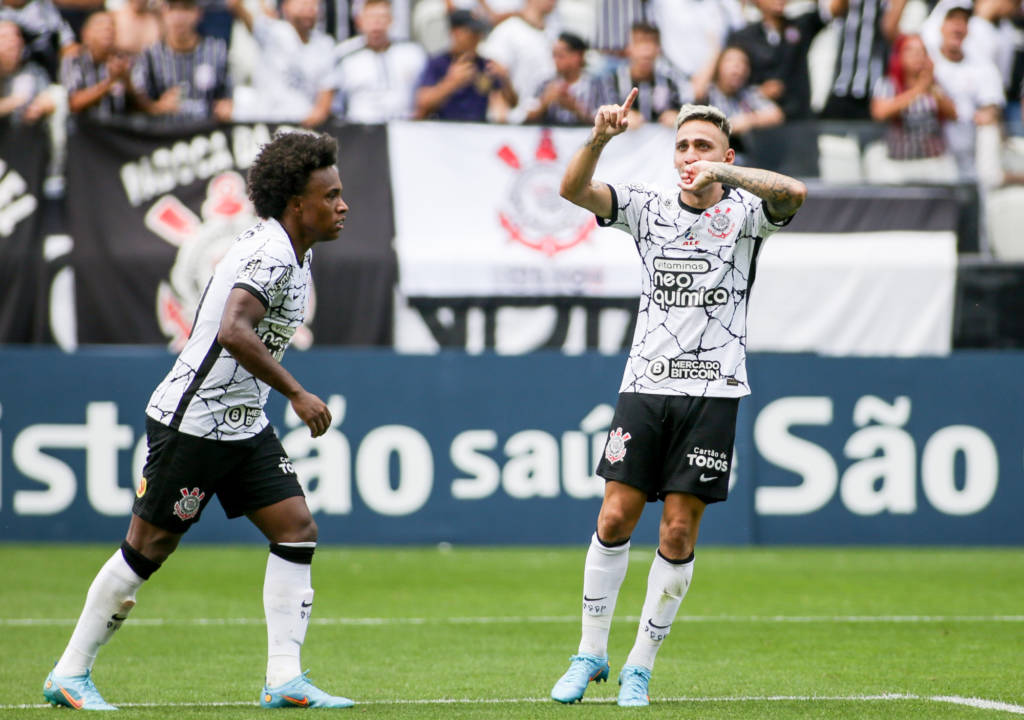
point(629, 99)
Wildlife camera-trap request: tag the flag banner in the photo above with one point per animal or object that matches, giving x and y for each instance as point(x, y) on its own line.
point(24, 150)
point(150, 214)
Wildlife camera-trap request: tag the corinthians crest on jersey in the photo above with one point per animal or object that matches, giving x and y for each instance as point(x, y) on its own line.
point(699, 266)
point(208, 393)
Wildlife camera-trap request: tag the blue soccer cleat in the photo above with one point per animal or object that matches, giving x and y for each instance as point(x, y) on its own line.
point(299, 692)
point(582, 669)
point(634, 681)
point(76, 692)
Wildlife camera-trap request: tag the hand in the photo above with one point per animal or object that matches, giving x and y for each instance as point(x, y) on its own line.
point(772, 89)
point(612, 120)
point(119, 67)
point(39, 108)
point(167, 104)
point(497, 70)
point(461, 72)
point(312, 411)
point(697, 175)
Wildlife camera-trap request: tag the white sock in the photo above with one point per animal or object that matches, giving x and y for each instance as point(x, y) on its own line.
point(603, 574)
point(667, 584)
point(287, 603)
point(108, 602)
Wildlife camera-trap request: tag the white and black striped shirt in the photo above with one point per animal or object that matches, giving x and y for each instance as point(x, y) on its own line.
point(860, 54)
point(614, 18)
point(655, 96)
point(202, 75)
point(78, 72)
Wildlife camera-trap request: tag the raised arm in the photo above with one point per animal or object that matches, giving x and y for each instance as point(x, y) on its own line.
point(782, 194)
point(578, 186)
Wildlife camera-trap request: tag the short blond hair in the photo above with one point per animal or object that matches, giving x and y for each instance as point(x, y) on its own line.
point(708, 113)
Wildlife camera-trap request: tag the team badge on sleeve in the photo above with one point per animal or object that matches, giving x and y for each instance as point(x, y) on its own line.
point(188, 507)
point(615, 450)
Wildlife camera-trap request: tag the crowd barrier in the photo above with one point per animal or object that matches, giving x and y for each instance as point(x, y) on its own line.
point(488, 449)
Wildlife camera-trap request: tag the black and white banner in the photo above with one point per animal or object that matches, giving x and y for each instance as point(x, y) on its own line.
point(23, 157)
point(151, 214)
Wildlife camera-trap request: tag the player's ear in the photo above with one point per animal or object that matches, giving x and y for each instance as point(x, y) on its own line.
point(730, 155)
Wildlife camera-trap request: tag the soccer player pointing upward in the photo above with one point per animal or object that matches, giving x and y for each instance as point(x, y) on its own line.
point(208, 434)
point(675, 421)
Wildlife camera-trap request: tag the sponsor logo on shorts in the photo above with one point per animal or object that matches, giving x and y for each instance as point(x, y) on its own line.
point(615, 450)
point(714, 460)
point(285, 465)
point(663, 368)
point(141, 490)
point(188, 507)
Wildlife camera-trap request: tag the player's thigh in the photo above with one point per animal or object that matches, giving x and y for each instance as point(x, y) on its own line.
point(698, 458)
point(634, 449)
point(180, 477)
point(263, 478)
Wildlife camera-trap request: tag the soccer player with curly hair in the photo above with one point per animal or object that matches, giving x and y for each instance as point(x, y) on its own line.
point(208, 434)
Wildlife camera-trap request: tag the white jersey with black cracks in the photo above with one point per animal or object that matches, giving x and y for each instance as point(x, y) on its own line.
point(699, 266)
point(208, 393)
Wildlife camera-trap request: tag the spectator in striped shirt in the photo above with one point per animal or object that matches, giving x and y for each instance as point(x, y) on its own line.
point(185, 76)
point(45, 33)
point(569, 97)
point(743, 103)
point(97, 76)
point(660, 95)
point(866, 28)
point(23, 84)
point(912, 103)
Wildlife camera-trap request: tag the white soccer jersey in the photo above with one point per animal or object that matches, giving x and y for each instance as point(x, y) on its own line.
point(699, 265)
point(207, 393)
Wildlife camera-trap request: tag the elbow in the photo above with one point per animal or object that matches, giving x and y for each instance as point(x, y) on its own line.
point(799, 194)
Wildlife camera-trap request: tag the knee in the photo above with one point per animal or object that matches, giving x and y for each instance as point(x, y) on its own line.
point(677, 538)
point(303, 529)
point(156, 546)
point(613, 524)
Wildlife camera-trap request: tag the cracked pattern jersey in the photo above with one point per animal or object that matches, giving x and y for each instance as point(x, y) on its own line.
point(699, 267)
point(207, 393)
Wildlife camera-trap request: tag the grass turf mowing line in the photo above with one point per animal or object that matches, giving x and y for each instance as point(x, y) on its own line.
point(177, 662)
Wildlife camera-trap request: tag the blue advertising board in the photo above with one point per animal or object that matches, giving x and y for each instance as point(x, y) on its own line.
point(488, 449)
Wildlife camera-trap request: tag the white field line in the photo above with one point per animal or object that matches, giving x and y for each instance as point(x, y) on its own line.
point(537, 619)
point(980, 703)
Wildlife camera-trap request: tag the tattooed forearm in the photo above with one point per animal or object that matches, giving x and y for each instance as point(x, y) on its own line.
point(782, 194)
point(595, 143)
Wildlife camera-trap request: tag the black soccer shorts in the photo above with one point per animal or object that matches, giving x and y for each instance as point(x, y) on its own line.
point(184, 472)
point(668, 443)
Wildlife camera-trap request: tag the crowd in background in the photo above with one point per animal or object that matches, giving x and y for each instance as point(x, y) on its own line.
point(934, 74)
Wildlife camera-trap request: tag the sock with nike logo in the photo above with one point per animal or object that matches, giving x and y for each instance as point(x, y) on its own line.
point(603, 573)
point(108, 602)
point(667, 584)
point(287, 603)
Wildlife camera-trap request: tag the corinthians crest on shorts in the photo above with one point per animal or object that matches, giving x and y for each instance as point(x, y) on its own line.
point(615, 450)
point(188, 507)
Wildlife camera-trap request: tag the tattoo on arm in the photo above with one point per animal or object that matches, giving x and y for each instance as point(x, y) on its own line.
point(782, 194)
point(596, 143)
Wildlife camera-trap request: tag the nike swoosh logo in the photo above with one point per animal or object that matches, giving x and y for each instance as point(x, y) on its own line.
point(660, 627)
point(586, 599)
point(76, 704)
point(307, 604)
point(296, 701)
point(705, 478)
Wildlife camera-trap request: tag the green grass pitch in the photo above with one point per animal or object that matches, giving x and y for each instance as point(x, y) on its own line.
point(484, 633)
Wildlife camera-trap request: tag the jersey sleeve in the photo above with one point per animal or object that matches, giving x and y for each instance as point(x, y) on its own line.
point(632, 204)
point(263, 275)
point(758, 224)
